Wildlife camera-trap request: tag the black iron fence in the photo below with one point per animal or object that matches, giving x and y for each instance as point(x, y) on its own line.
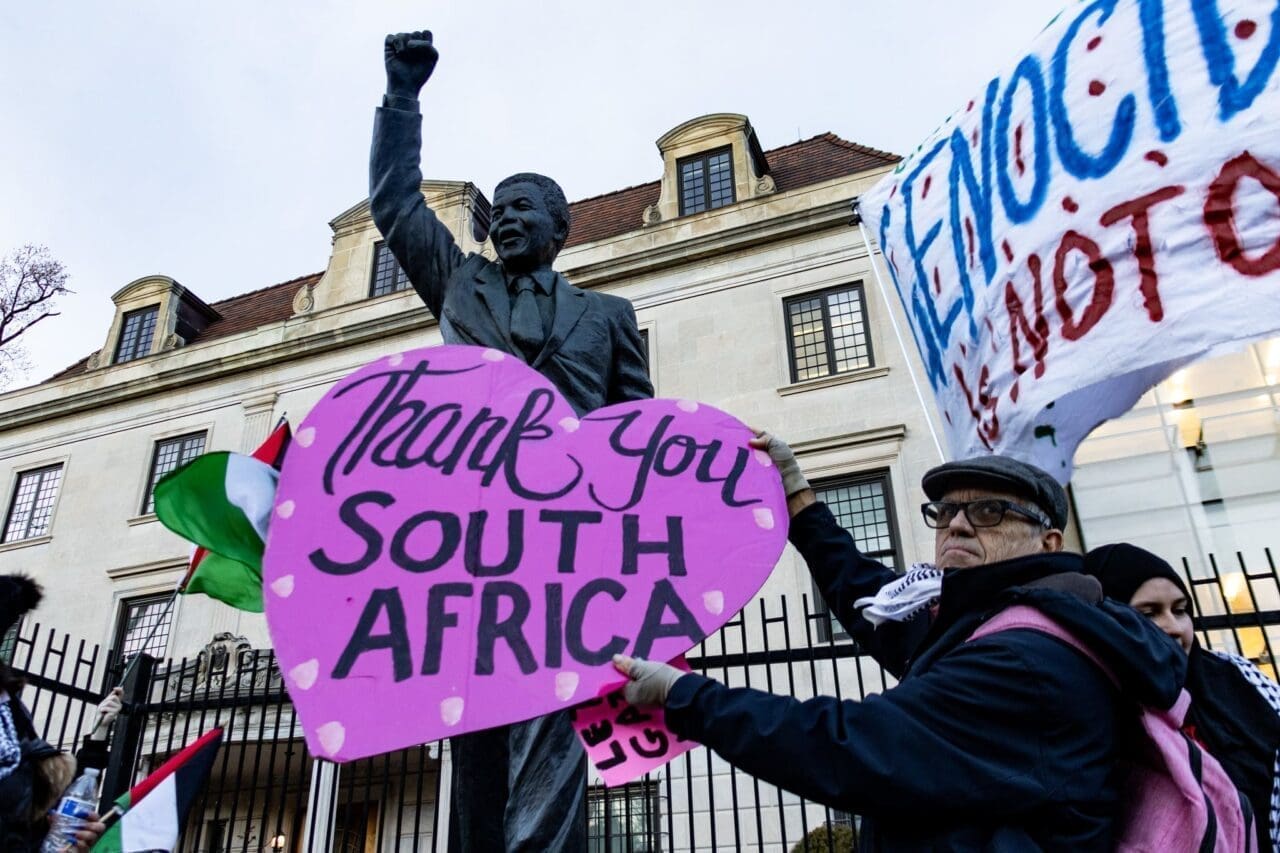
point(267, 793)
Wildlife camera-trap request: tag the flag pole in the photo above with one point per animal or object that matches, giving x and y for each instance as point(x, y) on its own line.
point(897, 332)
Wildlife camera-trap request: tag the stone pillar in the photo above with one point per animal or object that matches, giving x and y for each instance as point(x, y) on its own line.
point(322, 806)
point(258, 420)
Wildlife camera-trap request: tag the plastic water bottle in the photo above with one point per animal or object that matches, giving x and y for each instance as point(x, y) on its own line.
point(73, 809)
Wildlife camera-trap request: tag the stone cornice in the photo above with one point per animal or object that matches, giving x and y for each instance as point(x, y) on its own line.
point(896, 432)
point(151, 568)
point(677, 253)
point(43, 407)
point(205, 370)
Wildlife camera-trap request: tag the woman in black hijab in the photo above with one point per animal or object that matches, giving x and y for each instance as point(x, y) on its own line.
point(1235, 708)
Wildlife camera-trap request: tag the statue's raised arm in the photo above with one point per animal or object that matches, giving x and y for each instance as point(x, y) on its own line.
point(410, 58)
point(425, 249)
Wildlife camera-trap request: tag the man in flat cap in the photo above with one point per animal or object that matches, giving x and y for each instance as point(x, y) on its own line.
point(1002, 741)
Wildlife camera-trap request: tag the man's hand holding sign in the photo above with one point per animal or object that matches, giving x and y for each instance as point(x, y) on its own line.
point(477, 553)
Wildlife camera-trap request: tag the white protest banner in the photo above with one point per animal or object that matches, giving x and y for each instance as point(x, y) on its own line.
point(1106, 210)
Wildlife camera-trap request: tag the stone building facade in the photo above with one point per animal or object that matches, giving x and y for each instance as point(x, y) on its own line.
point(754, 295)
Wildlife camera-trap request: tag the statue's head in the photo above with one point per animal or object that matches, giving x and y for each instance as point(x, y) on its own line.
point(529, 221)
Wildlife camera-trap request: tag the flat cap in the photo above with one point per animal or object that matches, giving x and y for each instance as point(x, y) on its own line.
point(1002, 473)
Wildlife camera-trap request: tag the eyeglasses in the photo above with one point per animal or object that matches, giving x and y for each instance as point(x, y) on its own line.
point(986, 512)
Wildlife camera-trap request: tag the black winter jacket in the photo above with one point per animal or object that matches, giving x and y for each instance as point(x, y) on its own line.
point(1006, 743)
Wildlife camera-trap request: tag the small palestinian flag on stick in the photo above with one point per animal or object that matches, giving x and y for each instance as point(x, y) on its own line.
point(151, 815)
point(222, 502)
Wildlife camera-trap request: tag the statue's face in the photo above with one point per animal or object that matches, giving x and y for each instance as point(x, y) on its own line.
point(521, 228)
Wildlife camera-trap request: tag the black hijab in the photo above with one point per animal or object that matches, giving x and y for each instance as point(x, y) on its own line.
point(1228, 715)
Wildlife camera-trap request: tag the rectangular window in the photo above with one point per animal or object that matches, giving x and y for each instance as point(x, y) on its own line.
point(862, 505)
point(170, 453)
point(625, 818)
point(136, 334)
point(706, 181)
point(216, 836)
point(387, 275)
point(143, 626)
point(31, 507)
point(9, 642)
point(644, 342)
point(827, 332)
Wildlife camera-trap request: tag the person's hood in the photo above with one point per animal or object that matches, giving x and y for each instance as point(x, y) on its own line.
point(1149, 666)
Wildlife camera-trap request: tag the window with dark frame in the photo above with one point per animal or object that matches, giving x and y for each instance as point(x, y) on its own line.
point(827, 332)
point(216, 835)
point(644, 344)
point(706, 181)
point(31, 505)
point(624, 818)
point(136, 333)
point(169, 454)
point(143, 626)
point(863, 505)
point(388, 277)
point(9, 642)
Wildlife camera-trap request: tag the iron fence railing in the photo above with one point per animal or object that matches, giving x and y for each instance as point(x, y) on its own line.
point(267, 793)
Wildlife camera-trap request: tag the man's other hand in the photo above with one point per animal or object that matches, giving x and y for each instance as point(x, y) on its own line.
point(650, 681)
point(410, 59)
point(794, 485)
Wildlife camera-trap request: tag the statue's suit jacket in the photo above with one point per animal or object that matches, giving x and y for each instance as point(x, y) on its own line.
point(593, 354)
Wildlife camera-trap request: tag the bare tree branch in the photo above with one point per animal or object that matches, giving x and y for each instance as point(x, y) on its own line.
point(31, 280)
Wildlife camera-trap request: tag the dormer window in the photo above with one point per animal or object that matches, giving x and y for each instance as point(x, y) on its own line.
point(706, 181)
point(136, 334)
point(388, 277)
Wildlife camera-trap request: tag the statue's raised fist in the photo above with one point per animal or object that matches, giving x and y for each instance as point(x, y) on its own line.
point(410, 59)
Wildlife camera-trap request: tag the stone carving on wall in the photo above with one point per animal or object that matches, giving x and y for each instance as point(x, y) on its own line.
point(765, 185)
point(651, 215)
point(228, 662)
point(303, 300)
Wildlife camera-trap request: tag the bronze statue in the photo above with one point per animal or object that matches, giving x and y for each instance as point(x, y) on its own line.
point(518, 787)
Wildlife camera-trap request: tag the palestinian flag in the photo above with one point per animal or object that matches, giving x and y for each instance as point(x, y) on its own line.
point(150, 816)
point(222, 502)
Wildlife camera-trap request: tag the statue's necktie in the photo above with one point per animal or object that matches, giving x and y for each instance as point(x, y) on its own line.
point(526, 320)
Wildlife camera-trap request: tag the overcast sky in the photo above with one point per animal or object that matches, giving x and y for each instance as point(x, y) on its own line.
point(213, 142)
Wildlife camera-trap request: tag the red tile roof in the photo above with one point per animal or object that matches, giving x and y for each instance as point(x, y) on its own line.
point(239, 313)
point(801, 164)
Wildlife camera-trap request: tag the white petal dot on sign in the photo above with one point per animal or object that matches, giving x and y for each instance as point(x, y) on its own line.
point(305, 436)
point(283, 586)
point(763, 517)
point(566, 685)
point(570, 424)
point(451, 710)
point(763, 458)
point(687, 405)
point(304, 674)
point(332, 736)
point(494, 355)
point(286, 508)
point(395, 360)
point(713, 601)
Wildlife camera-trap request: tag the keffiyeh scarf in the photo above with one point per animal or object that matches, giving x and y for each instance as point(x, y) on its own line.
point(10, 745)
point(904, 598)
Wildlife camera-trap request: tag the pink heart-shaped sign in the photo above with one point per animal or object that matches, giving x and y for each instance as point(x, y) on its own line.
point(454, 548)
